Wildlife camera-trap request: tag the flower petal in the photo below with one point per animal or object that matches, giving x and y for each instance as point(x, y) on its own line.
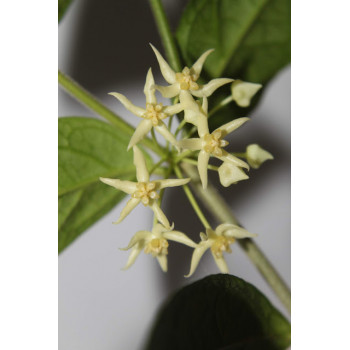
point(142, 129)
point(169, 91)
point(202, 125)
point(205, 105)
point(235, 231)
point(242, 92)
point(167, 72)
point(138, 236)
point(203, 160)
point(142, 174)
point(130, 205)
point(171, 182)
point(133, 255)
point(150, 89)
point(138, 111)
point(163, 130)
point(163, 262)
point(193, 144)
point(174, 109)
point(197, 254)
point(160, 215)
point(208, 89)
point(257, 155)
point(233, 125)
point(125, 186)
point(221, 263)
point(230, 173)
point(227, 157)
point(197, 67)
point(179, 237)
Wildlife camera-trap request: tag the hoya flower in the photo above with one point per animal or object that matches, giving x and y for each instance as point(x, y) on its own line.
point(257, 155)
point(218, 241)
point(230, 173)
point(212, 145)
point(242, 92)
point(143, 191)
point(153, 115)
point(186, 81)
point(156, 244)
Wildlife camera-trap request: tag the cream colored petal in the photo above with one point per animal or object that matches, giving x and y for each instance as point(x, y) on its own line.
point(130, 205)
point(198, 65)
point(188, 101)
point(171, 110)
point(179, 237)
point(142, 129)
point(125, 186)
point(227, 157)
point(163, 262)
point(171, 182)
point(205, 105)
point(257, 155)
point(221, 264)
point(235, 231)
point(163, 130)
point(159, 229)
point(242, 92)
point(160, 215)
point(202, 125)
point(142, 174)
point(203, 160)
point(138, 111)
point(197, 254)
point(169, 91)
point(133, 255)
point(167, 72)
point(150, 89)
point(208, 89)
point(193, 144)
point(138, 236)
point(191, 116)
point(233, 125)
point(230, 174)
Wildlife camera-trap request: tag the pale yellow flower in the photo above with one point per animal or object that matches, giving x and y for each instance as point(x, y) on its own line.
point(257, 155)
point(242, 92)
point(186, 81)
point(230, 173)
point(153, 115)
point(143, 191)
point(156, 244)
point(212, 145)
point(218, 241)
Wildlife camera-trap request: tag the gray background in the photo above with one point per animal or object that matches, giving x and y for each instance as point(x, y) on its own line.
point(104, 46)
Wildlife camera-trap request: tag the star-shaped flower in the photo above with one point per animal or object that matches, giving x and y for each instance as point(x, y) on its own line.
point(256, 155)
point(186, 81)
point(218, 241)
point(144, 191)
point(156, 244)
point(229, 174)
point(153, 115)
point(212, 145)
point(242, 92)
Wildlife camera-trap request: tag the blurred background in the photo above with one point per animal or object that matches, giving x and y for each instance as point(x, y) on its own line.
point(104, 46)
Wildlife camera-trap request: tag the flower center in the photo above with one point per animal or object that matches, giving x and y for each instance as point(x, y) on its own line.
point(157, 246)
point(146, 191)
point(213, 143)
point(154, 113)
point(187, 80)
point(222, 244)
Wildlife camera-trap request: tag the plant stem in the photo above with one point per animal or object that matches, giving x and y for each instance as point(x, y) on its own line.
point(219, 208)
point(165, 34)
point(192, 200)
point(195, 162)
point(85, 98)
point(223, 103)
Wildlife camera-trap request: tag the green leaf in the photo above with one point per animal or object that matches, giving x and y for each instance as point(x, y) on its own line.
point(62, 7)
point(219, 312)
point(88, 149)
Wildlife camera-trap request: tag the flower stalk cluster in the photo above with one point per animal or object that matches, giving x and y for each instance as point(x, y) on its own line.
point(192, 100)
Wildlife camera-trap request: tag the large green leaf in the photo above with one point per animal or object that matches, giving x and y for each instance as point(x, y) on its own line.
point(62, 7)
point(219, 312)
point(87, 149)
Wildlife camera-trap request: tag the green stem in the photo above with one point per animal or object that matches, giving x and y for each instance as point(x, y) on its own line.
point(85, 98)
point(192, 200)
point(223, 103)
point(219, 208)
point(165, 34)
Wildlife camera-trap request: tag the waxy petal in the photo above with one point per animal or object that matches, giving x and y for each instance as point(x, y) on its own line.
point(203, 160)
point(125, 186)
point(202, 125)
point(208, 89)
point(138, 111)
point(174, 109)
point(171, 182)
point(221, 263)
point(179, 237)
point(168, 74)
point(198, 65)
point(160, 215)
point(141, 131)
point(234, 231)
point(257, 155)
point(142, 174)
point(194, 144)
point(230, 174)
point(139, 236)
point(130, 205)
point(163, 262)
point(242, 92)
point(163, 130)
point(233, 125)
point(197, 254)
point(150, 89)
point(205, 105)
point(169, 91)
point(227, 157)
point(133, 255)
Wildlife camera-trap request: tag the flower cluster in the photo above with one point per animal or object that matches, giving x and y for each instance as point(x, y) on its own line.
point(192, 99)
